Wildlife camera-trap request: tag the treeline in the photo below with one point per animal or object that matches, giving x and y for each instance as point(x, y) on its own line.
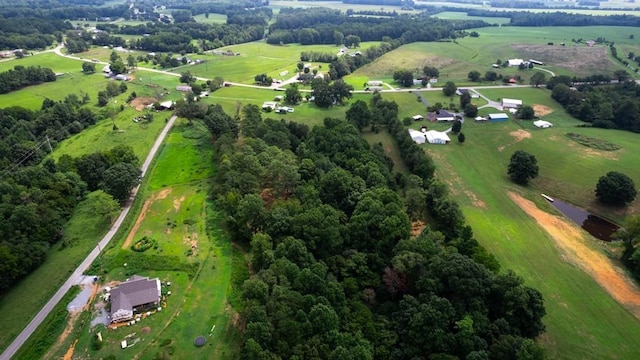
point(337, 273)
point(177, 37)
point(29, 32)
point(607, 106)
point(37, 199)
point(318, 56)
point(20, 76)
point(225, 8)
point(323, 24)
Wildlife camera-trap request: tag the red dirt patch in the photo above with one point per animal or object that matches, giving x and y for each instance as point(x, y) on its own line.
point(145, 207)
point(141, 102)
point(572, 243)
point(145, 330)
point(541, 110)
point(417, 227)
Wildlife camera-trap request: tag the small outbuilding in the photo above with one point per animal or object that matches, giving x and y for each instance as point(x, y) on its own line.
point(417, 117)
point(498, 117)
point(269, 105)
point(542, 124)
point(480, 119)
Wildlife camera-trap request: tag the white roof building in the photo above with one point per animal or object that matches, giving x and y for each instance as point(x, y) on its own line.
point(418, 136)
point(417, 117)
point(542, 124)
point(437, 137)
point(514, 62)
point(511, 103)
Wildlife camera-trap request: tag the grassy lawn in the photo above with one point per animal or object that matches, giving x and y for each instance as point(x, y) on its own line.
point(583, 321)
point(211, 19)
point(390, 148)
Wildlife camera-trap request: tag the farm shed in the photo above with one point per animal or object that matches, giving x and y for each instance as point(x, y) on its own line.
point(542, 124)
point(418, 136)
point(417, 117)
point(480, 119)
point(498, 117)
point(374, 83)
point(437, 137)
point(511, 103)
point(185, 88)
point(167, 104)
point(133, 296)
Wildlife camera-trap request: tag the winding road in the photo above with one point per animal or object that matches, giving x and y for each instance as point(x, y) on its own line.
point(76, 276)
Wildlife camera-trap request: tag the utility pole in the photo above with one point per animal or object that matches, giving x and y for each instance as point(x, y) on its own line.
point(49, 143)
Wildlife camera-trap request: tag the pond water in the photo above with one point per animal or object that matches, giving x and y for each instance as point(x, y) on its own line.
point(598, 227)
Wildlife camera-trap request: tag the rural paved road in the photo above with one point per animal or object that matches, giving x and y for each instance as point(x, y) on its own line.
point(76, 276)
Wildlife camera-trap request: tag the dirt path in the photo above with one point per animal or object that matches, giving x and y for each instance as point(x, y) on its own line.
point(143, 213)
point(572, 242)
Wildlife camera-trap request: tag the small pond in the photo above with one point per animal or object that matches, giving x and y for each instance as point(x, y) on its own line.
point(598, 227)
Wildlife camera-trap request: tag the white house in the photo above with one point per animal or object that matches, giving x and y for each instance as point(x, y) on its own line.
point(511, 103)
point(542, 124)
point(514, 62)
point(418, 136)
point(437, 137)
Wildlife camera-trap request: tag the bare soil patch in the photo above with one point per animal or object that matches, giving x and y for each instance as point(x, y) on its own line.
point(581, 59)
point(475, 200)
point(143, 213)
point(541, 110)
point(519, 135)
point(145, 330)
point(71, 320)
point(140, 103)
point(177, 203)
point(573, 244)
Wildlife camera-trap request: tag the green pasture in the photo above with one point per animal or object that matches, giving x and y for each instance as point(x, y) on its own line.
point(190, 149)
point(140, 136)
point(212, 19)
point(19, 304)
point(260, 58)
point(462, 15)
point(583, 321)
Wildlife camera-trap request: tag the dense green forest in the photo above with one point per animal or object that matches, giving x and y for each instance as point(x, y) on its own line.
point(20, 76)
point(39, 197)
point(338, 274)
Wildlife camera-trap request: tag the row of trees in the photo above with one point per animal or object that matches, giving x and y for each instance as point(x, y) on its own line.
point(20, 76)
point(336, 272)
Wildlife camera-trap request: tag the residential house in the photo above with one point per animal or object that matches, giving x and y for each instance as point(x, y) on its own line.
point(442, 116)
point(184, 88)
point(437, 137)
point(135, 295)
point(511, 103)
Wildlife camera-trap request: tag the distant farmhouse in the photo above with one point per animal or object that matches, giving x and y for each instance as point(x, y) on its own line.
point(133, 296)
point(443, 116)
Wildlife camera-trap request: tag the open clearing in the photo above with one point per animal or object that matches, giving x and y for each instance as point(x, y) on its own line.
point(572, 241)
point(580, 60)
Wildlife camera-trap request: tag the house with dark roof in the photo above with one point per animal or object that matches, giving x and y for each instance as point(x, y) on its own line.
point(442, 116)
point(134, 295)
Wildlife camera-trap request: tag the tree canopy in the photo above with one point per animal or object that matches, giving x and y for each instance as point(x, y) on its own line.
point(522, 167)
point(615, 188)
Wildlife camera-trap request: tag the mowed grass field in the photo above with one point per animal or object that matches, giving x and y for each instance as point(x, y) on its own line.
point(456, 59)
point(583, 321)
point(462, 15)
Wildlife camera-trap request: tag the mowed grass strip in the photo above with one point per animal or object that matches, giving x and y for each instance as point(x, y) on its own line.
point(583, 321)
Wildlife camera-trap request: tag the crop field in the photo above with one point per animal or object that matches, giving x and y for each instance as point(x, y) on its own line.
point(278, 4)
point(561, 266)
point(456, 59)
